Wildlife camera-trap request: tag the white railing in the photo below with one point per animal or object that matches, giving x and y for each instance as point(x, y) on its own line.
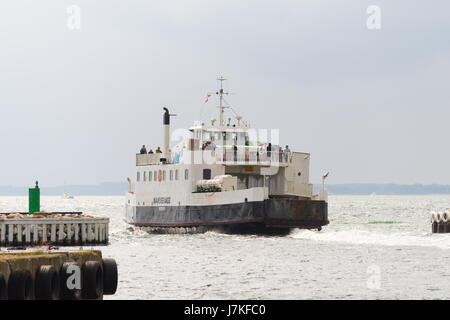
point(246, 156)
point(58, 231)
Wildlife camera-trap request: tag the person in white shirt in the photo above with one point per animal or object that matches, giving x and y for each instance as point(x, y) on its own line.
point(286, 152)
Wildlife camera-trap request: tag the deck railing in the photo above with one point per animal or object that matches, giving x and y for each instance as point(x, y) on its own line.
point(245, 156)
point(228, 156)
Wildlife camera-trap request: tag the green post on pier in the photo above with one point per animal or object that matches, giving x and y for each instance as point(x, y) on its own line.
point(34, 199)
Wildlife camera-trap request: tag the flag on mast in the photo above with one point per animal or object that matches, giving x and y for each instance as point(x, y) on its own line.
point(207, 97)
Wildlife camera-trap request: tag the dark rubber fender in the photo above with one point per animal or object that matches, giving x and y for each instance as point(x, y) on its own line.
point(20, 285)
point(92, 280)
point(110, 276)
point(64, 292)
point(3, 288)
point(47, 283)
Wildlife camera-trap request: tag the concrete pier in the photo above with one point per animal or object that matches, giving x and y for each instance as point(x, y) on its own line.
point(440, 222)
point(98, 276)
point(52, 229)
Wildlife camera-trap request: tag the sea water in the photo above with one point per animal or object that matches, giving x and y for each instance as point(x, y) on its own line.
point(375, 247)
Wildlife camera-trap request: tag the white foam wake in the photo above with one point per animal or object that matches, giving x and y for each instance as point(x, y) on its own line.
point(355, 236)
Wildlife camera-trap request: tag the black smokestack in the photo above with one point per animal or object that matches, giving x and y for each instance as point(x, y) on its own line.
point(166, 116)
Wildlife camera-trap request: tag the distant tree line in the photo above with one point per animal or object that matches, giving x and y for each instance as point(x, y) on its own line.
point(385, 189)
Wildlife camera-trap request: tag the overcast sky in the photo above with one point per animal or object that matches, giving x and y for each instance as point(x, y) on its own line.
point(369, 105)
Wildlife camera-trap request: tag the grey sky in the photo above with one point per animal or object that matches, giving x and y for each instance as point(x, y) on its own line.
point(370, 105)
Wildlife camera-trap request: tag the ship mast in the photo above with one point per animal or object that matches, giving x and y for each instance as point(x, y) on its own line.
point(220, 93)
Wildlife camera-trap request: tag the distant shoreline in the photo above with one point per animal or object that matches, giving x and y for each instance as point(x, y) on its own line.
point(385, 189)
point(120, 188)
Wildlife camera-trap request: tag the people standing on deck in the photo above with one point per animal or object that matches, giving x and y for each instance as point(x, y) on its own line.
point(280, 154)
point(150, 152)
point(235, 151)
point(210, 146)
point(158, 150)
point(287, 151)
point(143, 149)
point(269, 151)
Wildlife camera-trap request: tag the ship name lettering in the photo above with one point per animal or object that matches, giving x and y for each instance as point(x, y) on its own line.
point(161, 200)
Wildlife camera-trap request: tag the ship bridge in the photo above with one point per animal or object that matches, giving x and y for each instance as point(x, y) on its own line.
point(236, 146)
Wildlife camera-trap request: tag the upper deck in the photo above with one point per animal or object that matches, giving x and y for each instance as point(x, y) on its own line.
point(242, 156)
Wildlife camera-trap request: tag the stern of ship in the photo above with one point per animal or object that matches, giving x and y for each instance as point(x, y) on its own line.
point(295, 213)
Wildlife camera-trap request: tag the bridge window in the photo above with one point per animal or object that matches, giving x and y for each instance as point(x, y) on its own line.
point(171, 175)
point(155, 175)
point(164, 175)
point(206, 174)
point(150, 174)
point(186, 174)
point(176, 174)
point(145, 175)
point(138, 176)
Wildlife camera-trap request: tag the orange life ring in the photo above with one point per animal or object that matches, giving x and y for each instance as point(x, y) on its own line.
point(159, 175)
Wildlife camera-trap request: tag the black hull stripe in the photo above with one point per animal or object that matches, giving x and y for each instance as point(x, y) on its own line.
point(290, 213)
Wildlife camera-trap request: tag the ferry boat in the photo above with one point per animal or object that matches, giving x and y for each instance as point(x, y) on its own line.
point(223, 176)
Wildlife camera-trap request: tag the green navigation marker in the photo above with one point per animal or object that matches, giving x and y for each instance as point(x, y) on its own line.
point(34, 199)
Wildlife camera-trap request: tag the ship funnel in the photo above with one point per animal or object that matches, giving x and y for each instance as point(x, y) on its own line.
point(166, 124)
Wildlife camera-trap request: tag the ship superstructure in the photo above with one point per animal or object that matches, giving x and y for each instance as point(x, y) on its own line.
point(224, 176)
